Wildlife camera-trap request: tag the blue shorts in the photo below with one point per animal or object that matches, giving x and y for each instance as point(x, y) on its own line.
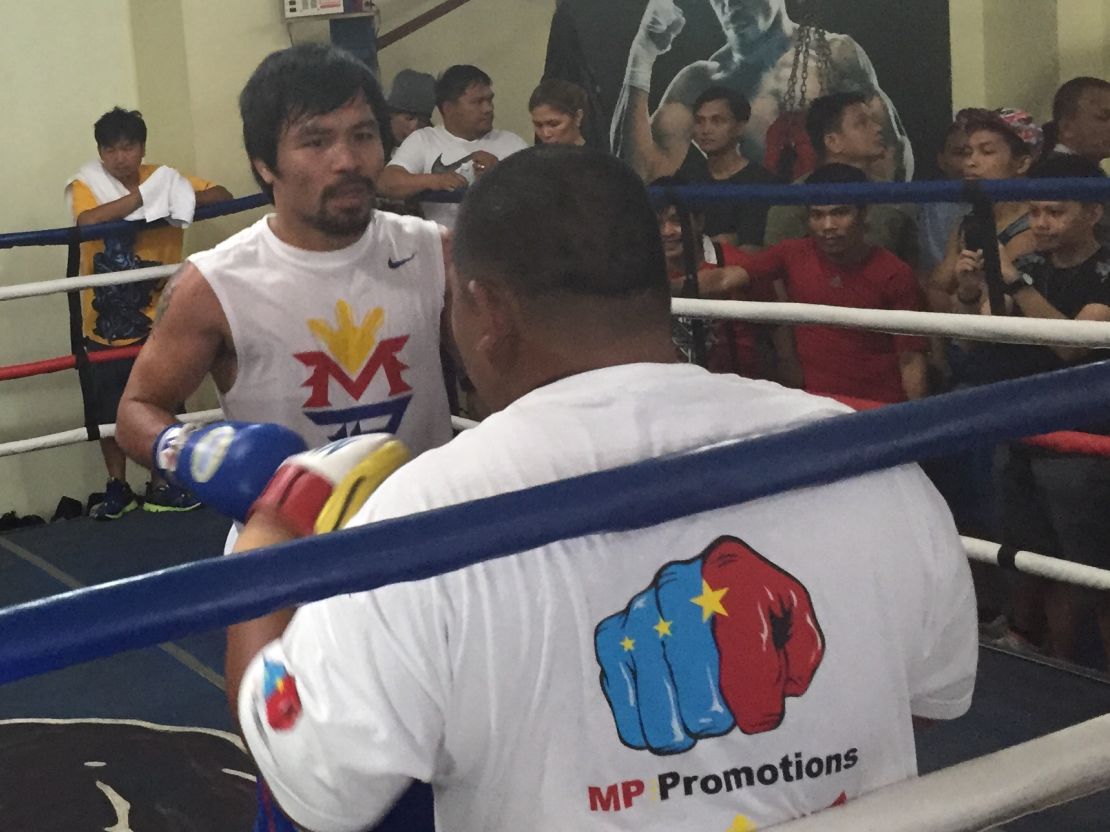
point(270, 818)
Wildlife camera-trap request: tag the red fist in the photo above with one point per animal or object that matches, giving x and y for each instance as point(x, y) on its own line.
point(770, 641)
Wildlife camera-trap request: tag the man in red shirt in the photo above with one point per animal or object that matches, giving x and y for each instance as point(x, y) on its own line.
point(835, 266)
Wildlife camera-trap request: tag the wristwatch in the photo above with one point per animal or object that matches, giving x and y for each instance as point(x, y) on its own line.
point(1023, 281)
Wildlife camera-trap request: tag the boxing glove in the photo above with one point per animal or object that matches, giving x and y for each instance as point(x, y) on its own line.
point(225, 464)
point(319, 490)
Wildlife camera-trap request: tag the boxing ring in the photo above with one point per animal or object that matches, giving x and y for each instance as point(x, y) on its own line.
point(162, 606)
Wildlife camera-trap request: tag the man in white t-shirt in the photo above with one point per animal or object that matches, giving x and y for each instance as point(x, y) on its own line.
point(728, 670)
point(323, 316)
point(454, 156)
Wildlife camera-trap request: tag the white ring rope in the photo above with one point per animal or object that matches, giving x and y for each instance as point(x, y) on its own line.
point(1042, 331)
point(984, 792)
point(970, 327)
point(462, 423)
point(1043, 566)
point(79, 435)
point(1062, 333)
point(69, 284)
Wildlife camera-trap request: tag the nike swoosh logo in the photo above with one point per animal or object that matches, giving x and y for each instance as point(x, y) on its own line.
point(396, 264)
point(438, 165)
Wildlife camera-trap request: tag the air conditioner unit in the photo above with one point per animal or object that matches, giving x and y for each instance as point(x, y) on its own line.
point(295, 9)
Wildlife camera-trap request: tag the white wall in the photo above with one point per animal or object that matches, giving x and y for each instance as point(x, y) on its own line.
point(52, 92)
point(1015, 53)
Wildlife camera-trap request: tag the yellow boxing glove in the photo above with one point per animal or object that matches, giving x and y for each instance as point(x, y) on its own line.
point(360, 482)
point(319, 490)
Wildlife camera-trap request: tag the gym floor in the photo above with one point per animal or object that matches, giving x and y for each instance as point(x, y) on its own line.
point(143, 739)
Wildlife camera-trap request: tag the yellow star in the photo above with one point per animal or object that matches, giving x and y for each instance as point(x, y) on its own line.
point(663, 627)
point(710, 600)
point(741, 824)
point(628, 644)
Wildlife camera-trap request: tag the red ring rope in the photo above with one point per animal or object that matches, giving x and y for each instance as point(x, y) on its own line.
point(1062, 441)
point(64, 362)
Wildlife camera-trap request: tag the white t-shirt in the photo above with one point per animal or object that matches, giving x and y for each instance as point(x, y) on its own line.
point(728, 670)
point(336, 343)
point(435, 150)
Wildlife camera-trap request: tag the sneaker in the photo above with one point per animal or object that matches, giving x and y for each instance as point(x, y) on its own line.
point(1014, 642)
point(166, 497)
point(118, 500)
point(995, 628)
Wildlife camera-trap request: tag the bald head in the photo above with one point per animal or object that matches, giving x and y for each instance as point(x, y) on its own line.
point(559, 268)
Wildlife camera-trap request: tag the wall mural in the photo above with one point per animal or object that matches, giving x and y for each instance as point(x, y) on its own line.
point(644, 63)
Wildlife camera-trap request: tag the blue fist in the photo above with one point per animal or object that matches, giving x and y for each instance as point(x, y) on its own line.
point(227, 464)
point(659, 666)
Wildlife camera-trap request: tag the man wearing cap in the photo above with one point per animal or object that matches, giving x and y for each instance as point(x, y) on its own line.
point(411, 101)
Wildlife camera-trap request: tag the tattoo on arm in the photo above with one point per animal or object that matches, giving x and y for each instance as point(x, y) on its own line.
point(164, 298)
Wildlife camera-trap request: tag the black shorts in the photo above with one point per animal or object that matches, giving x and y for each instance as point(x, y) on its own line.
point(109, 378)
point(1057, 505)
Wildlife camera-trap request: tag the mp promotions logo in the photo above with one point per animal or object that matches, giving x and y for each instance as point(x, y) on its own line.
point(354, 359)
point(716, 642)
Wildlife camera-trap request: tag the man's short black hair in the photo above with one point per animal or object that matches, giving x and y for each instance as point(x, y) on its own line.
point(826, 115)
point(118, 125)
point(837, 173)
point(299, 82)
point(1066, 166)
point(1066, 102)
point(739, 105)
point(456, 80)
point(556, 221)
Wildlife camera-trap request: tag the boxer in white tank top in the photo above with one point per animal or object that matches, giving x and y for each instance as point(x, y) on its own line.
point(323, 316)
point(336, 343)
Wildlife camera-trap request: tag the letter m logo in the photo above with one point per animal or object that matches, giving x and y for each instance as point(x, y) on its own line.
point(386, 358)
point(615, 795)
point(605, 801)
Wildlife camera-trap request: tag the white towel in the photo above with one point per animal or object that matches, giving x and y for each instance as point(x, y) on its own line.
point(104, 186)
point(166, 193)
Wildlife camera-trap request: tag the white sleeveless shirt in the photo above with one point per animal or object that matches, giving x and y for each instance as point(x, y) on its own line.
point(337, 343)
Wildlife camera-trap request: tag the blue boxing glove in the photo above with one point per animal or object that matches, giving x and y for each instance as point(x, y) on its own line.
point(225, 464)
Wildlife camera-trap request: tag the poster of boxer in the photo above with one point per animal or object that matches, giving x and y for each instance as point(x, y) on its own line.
point(644, 62)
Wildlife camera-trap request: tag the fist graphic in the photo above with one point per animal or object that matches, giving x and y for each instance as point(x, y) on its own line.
point(715, 642)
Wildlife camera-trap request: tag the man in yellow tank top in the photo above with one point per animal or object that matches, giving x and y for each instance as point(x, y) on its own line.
point(119, 316)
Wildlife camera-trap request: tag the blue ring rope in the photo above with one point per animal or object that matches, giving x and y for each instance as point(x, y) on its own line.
point(65, 236)
point(1001, 190)
point(138, 612)
point(1015, 190)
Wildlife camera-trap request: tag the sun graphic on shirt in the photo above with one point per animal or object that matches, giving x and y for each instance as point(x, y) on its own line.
point(349, 343)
